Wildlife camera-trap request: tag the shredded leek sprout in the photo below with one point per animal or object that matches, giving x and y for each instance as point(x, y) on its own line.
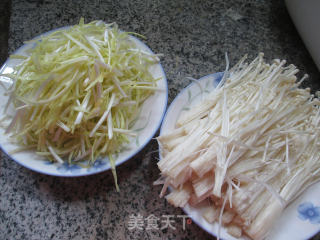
point(77, 92)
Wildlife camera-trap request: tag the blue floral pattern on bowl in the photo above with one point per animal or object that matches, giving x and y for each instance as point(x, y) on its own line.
point(66, 167)
point(307, 211)
point(98, 164)
point(47, 162)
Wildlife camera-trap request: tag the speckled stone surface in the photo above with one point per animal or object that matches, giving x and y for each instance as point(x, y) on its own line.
point(193, 35)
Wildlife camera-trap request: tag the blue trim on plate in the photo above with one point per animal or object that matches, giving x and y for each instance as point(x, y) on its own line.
point(309, 212)
point(87, 173)
point(304, 214)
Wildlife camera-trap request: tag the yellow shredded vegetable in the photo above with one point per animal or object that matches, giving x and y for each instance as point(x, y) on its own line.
point(78, 92)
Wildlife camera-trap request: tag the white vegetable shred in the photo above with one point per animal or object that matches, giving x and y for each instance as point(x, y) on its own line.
point(249, 148)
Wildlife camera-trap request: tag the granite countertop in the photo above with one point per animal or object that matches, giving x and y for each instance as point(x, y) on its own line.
point(193, 35)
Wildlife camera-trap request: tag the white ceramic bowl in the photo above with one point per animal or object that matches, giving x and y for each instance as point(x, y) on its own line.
point(151, 114)
point(300, 220)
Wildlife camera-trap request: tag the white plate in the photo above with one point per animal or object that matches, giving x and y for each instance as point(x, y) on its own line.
point(300, 220)
point(150, 118)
